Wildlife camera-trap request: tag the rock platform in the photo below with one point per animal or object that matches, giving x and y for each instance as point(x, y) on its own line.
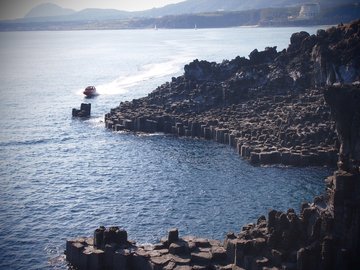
point(323, 236)
point(283, 129)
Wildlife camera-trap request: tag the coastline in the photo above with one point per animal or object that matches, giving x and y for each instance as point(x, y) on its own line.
point(324, 234)
point(275, 17)
point(270, 107)
point(252, 136)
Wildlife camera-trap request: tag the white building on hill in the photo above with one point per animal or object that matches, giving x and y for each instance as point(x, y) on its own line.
point(309, 11)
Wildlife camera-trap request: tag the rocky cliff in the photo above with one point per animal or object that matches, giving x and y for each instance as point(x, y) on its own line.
point(325, 235)
point(345, 107)
point(267, 96)
point(269, 106)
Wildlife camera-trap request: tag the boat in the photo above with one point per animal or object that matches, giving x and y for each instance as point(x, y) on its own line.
point(90, 91)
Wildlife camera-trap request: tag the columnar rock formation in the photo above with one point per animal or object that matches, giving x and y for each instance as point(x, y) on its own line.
point(324, 235)
point(345, 107)
point(264, 107)
point(270, 106)
point(291, 130)
point(85, 110)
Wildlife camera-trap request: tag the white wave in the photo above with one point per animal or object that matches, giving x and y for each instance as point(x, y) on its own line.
point(145, 73)
point(97, 121)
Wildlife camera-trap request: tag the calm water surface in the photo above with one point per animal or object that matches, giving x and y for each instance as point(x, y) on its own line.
point(62, 177)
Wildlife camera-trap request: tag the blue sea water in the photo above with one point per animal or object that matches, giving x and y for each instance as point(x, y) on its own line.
point(62, 177)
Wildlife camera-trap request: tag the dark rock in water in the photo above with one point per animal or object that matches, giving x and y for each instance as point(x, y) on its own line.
point(85, 110)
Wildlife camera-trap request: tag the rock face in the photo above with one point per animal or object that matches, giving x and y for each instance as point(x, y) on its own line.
point(345, 107)
point(270, 107)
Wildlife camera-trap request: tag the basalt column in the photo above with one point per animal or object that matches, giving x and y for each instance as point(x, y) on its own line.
point(344, 191)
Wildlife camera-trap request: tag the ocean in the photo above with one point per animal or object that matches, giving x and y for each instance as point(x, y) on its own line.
point(62, 177)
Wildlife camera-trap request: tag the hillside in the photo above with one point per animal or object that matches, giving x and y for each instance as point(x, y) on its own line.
point(51, 12)
point(113, 19)
point(48, 10)
point(202, 6)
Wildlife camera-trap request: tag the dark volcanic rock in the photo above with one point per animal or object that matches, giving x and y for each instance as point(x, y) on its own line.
point(345, 107)
point(270, 107)
point(323, 236)
point(85, 110)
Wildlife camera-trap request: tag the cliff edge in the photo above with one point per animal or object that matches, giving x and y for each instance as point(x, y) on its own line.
point(255, 104)
point(325, 235)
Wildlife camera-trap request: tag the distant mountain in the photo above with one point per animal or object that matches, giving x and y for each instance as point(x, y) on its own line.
point(54, 13)
point(203, 13)
point(200, 6)
point(48, 10)
point(99, 14)
point(51, 12)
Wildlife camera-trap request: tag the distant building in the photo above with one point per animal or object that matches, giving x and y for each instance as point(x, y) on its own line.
point(309, 11)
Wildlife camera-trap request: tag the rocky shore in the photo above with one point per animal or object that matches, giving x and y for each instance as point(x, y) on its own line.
point(276, 107)
point(312, 240)
point(269, 107)
point(324, 235)
point(282, 129)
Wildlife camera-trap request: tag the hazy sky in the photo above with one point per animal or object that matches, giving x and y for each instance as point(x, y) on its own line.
point(11, 9)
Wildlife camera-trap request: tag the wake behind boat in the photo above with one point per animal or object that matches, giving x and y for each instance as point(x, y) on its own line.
point(90, 91)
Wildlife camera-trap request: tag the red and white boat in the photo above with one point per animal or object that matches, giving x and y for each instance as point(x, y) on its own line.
point(90, 91)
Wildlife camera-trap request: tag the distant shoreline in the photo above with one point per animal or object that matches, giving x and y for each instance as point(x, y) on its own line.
point(30, 28)
point(268, 17)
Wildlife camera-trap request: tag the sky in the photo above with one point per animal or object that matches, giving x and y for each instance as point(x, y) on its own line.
point(13, 9)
